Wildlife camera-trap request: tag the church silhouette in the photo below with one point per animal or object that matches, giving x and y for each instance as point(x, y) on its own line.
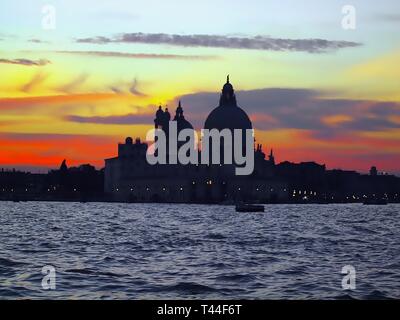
point(129, 177)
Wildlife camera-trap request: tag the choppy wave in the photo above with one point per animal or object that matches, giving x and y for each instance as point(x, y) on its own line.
point(139, 251)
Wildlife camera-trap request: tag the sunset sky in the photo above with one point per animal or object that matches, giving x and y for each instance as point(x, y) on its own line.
point(314, 90)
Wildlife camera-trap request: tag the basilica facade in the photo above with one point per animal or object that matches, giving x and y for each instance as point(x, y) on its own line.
point(129, 177)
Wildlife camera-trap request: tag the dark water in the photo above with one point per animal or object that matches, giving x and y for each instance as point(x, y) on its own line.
point(137, 251)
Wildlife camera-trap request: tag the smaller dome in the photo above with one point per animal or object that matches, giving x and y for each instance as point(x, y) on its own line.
point(129, 140)
point(182, 123)
point(227, 87)
point(159, 113)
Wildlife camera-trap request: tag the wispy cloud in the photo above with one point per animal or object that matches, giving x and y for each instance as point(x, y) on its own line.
point(35, 40)
point(73, 84)
point(26, 62)
point(128, 87)
point(116, 90)
point(37, 79)
point(115, 54)
point(134, 89)
point(223, 41)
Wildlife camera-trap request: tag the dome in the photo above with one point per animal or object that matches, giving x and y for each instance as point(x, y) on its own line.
point(182, 124)
point(227, 118)
point(228, 115)
point(129, 140)
point(227, 87)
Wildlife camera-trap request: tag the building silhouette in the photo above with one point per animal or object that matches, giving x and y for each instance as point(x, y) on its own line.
point(130, 178)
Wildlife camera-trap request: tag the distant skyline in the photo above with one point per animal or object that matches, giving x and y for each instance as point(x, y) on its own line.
point(314, 91)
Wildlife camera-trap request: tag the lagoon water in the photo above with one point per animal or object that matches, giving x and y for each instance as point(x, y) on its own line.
point(168, 251)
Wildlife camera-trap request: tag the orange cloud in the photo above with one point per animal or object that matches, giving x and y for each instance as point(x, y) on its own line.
point(336, 119)
point(27, 102)
point(265, 118)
